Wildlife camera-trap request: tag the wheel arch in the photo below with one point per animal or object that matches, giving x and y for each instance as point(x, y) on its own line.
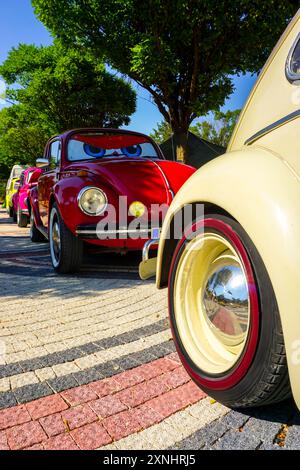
point(262, 193)
point(170, 244)
point(52, 201)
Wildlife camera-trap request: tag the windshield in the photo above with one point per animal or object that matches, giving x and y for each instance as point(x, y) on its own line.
point(97, 146)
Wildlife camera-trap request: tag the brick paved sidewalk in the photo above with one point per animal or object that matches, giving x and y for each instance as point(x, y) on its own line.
point(90, 363)
point(94, 415)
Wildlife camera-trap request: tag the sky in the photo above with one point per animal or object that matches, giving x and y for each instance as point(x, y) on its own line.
point(18, 24)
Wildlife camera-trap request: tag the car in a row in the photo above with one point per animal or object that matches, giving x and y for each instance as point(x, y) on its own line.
point(107, 188)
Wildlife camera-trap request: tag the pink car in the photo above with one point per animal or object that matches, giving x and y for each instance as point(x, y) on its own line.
point(28, 180)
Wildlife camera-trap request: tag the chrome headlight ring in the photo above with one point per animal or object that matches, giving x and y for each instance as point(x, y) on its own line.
point(93, 190)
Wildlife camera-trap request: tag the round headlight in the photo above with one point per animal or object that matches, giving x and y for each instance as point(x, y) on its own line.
point(137, 209)
point(92, 201)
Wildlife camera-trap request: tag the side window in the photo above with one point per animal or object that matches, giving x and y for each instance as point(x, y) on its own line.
point(55, 154)
point(293, 62)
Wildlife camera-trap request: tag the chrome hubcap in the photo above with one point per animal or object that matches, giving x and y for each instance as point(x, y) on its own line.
point(56, 240)
point(212, 303)
point(226, 302)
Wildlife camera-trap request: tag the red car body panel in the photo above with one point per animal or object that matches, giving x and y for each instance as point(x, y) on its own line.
point(151, 181)
point(28, 180)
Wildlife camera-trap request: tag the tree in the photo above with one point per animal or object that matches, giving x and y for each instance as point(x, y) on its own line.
point(22, 139)
point(218, 130)
point(162, 133)
point(184, 52)
point(54, 89)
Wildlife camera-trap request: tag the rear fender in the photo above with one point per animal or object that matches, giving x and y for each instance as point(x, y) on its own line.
point(261, 191)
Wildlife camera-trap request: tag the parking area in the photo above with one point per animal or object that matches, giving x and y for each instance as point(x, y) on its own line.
point(87, 361)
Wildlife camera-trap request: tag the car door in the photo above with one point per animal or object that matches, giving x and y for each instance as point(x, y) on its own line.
point(48, 180)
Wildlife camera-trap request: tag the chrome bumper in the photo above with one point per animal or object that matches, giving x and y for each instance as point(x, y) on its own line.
point(147, 267)
point(90, 231)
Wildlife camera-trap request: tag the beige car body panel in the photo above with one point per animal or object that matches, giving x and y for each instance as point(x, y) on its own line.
point(258, 183)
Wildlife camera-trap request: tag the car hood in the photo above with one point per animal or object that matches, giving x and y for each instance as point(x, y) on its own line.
point(148, 181)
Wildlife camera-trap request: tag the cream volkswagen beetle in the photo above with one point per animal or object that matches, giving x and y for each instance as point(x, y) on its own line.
point(234, 285)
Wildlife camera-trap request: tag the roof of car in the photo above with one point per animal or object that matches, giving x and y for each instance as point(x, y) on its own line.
point(98, 129)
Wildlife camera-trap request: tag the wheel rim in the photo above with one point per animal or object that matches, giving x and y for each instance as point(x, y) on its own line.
point(55, 240)
point(215, 304)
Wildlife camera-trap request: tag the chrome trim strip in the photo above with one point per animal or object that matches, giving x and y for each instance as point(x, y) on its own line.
point(271, 127)
point(82, 191)
point(111, 232)
point(291, 76)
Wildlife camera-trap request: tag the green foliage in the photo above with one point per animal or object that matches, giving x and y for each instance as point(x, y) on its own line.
point(184, 52)
point(218, 130)
point(54, 89)
point(162, 133)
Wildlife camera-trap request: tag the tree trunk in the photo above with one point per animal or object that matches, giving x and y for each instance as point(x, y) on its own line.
point(181, 145)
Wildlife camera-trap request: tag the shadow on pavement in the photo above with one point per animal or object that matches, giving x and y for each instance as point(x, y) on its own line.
point(25, 275)
point(283, 412)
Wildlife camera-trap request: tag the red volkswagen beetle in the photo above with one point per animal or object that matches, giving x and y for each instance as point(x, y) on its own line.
point(104, 187)
point(28, 180)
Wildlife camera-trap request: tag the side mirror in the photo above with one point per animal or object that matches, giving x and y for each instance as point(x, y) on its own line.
point(42, 162)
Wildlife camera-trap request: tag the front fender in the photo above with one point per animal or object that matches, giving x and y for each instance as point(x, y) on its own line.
point(34, 206)
point(65, 194)
point(262, 192)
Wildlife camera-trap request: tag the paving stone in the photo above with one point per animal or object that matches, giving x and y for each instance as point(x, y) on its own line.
point(31, 365)
point(126, 363)
point(35, 447)
point(107, 406)
point(46, 406)
point(129, 378)
point(208, 435)
point(9, 370)
point(143, 357)
point(22, 380)
point(4, 385)
point(106, 386)
point(90, 348)
point(65, 369)
point(13, 416)
point(60, 442)
point(149, 370)
point(53, 424)
point(79, 416)
point(168, 403)
point(63, 383)
point(107, 343)
point(143, 392)
point(86, 376)
point(3, 441)
point(122, 424)
point(91, 436)
point(7, 399)
point(176, 378)
point(32, 392)
point(147, 416)
point(45, 374)
point(235, 440)
point(108, 369)
point(79, 395)
point(25, 435)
